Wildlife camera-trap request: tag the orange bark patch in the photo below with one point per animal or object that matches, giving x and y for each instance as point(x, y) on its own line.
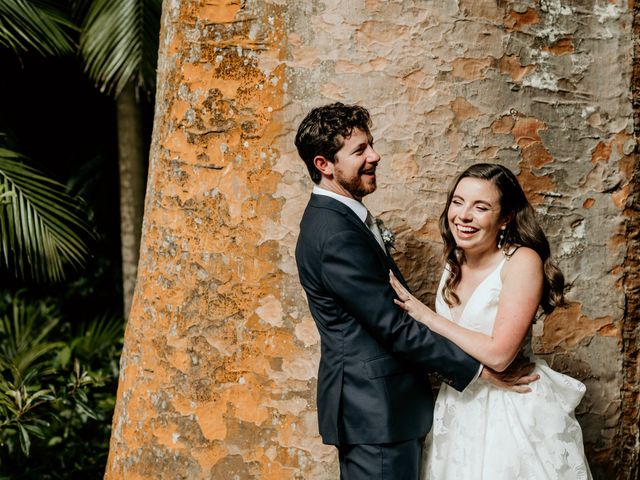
point(525, 131)
point(470, 68)
point(463, 110)
point(561, 47)
point(518, 21)
point(210, 418)
point(429, 231)
point(510, 65)
point(503, 124)
point(219, 11)
point(566, 327)
point(627, 165)
point(379, 31)
point(534, 186)
point(614, 245)
point(588, 203)
point(488, 154)
point(208, 456)
point(536, 155)
point(601, 153)
point(620, 196)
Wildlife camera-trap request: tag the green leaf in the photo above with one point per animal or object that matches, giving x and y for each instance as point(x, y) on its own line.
point(119, 43)
point(25, 441)
point(35, 25)
point(84, 408)
point(42, 227)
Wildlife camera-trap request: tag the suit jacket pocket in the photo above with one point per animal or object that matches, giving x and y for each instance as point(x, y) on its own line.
point(383, 367)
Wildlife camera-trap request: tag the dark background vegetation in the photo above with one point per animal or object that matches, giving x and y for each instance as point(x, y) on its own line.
point(60, 342)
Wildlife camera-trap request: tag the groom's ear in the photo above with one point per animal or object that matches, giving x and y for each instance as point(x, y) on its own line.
point(324, 166)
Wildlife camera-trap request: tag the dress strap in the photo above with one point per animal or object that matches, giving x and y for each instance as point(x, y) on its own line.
point(512, 249)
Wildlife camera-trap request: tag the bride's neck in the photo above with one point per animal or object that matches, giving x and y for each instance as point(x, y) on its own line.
point(479, 261)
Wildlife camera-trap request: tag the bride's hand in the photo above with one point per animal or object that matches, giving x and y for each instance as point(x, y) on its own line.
point(408, 302)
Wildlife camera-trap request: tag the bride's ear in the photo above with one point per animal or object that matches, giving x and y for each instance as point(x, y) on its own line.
point(507, 220)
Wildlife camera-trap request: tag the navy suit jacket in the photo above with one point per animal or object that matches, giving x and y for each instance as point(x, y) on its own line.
point(372, 379)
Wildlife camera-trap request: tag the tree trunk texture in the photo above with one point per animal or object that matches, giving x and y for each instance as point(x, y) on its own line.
point(131, 161)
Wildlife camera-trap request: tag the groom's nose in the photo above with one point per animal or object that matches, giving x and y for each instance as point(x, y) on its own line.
point(373, 156)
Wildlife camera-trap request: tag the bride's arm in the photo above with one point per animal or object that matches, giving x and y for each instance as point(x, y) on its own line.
point(522, 283)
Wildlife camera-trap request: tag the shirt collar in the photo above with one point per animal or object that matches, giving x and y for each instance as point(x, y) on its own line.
point(358, 207)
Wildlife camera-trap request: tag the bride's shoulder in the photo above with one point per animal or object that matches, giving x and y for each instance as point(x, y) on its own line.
point(521, 260)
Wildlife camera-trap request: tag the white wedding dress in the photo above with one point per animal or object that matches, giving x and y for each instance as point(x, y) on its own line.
point(487, 433)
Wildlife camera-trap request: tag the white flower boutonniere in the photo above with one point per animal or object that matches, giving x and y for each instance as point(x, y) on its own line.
point(388, 237)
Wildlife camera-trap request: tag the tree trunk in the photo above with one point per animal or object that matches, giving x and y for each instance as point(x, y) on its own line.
point(220, 352)
point(131, 160)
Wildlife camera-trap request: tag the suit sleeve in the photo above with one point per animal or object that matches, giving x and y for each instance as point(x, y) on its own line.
point(354, 274)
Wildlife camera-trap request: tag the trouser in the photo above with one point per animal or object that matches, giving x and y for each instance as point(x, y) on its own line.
point(388, 461)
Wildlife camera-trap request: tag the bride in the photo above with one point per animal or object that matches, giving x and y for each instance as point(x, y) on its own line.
point(498, 273)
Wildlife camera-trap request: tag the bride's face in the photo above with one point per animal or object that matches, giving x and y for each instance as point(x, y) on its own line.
point(474, 215)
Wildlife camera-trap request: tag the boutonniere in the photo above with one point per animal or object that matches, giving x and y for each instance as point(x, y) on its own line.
point(388, 237)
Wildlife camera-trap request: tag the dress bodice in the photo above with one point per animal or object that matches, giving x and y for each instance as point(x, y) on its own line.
point(479, 313)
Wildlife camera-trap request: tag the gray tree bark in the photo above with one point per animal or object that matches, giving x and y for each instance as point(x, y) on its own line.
point(132, 184)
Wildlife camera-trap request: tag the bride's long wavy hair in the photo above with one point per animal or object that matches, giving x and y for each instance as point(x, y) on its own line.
point(522, 230)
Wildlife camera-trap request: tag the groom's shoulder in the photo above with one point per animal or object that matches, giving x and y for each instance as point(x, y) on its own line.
point(321, 206)
point(324, 216)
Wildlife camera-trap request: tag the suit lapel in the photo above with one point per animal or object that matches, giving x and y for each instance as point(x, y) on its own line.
point(322, 201)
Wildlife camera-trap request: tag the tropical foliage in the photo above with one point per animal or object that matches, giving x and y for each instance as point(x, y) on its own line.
point(119, 43)
point(56, 390)
point(43, 228)
point(35, 26)
point(59, 340)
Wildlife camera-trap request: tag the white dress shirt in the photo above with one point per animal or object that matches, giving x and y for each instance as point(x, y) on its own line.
point(358, 207)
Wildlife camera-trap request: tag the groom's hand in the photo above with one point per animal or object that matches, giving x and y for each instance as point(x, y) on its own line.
point(515, 378)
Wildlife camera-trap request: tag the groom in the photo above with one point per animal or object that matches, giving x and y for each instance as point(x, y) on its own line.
point(374, 398)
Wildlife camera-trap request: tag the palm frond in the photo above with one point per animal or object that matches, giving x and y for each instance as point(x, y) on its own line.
point(119, 43)
point(41, 226)
point(35, 25)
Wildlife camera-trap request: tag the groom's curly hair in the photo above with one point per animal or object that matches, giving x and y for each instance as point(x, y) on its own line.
point(323, 130)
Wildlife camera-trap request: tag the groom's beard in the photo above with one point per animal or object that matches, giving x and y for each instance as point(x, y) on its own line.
point(356, 186)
